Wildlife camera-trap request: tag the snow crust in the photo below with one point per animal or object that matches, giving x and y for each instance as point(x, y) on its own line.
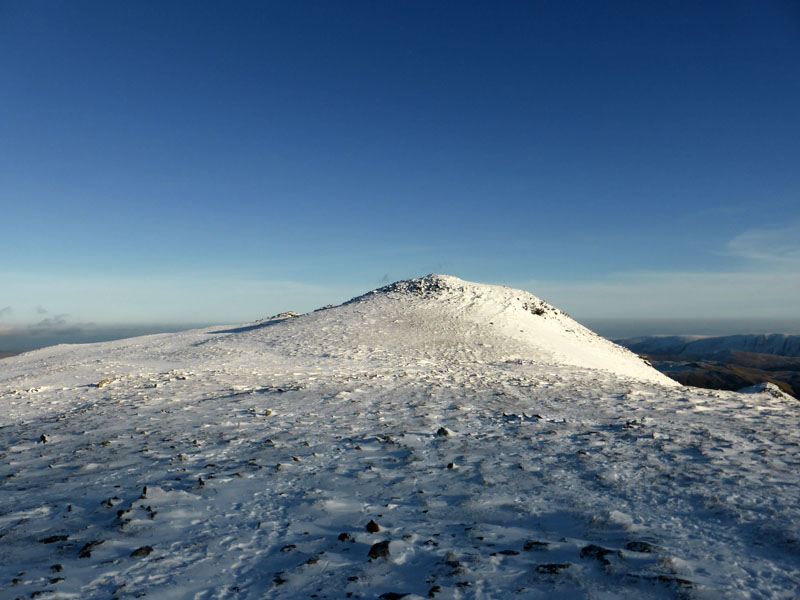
point(501, 449)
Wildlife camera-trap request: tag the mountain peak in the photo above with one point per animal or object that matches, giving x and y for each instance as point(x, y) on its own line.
point(453, 325)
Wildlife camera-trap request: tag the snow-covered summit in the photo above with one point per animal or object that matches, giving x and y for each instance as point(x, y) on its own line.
point(454, 325)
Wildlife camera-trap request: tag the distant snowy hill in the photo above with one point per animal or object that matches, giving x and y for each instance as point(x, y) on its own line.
point(707, 347)
point(431, 439)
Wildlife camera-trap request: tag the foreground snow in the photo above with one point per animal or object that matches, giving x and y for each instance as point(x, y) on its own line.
point(502, 450)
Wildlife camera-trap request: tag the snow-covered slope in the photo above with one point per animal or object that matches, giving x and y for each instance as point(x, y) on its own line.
point(499, 448)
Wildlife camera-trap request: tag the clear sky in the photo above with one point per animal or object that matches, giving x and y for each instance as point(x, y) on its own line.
point(217, 162)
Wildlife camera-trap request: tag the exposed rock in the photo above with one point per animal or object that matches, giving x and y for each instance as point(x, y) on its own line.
point(640, 547)
point(443, 431)
point(86, 551)
point(143, 551)
point(596, 552)
point(373, 527)
point(379, 550)
point(54, 538)
point(552, 568)
point(535, 546)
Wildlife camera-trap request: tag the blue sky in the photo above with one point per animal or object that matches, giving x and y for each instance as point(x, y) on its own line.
point(210, 162)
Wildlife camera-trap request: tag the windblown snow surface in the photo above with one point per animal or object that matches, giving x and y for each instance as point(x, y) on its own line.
point(495, 447)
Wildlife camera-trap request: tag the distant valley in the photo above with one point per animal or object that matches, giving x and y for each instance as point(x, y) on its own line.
point(726, 362)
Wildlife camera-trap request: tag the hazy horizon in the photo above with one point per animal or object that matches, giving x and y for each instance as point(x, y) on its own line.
point(608, 328)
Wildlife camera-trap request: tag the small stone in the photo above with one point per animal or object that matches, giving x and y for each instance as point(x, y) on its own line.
point(43, 439)
point(674, 581)
point(86, 551)
point(143, 551)
point(57, 568)
point(373, 527)
point(534, 545)
point(346, 537)
point(443, 431)
point(552, 569)
point(595, 552)
point(288, 548)
point(103, 383)
point(451, 465)
point(379, 550)
point(434, 590)
point(640, 547)
point(391, 596)
point(54, 538)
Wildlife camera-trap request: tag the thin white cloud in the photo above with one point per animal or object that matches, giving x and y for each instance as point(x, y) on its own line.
point(779, 246)
point(766, 284)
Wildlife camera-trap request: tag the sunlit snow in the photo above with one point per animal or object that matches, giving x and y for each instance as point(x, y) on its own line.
point(435, 438)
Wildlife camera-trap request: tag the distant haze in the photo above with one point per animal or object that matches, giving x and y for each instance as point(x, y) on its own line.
point(626, 328)
point(609, 328)
point(25, 342)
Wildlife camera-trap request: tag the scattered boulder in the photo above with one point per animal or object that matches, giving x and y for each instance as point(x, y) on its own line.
point(373, 527)
point(54, 538)
point(379, 550)
point(552, 568)
point(346, 537)
point(143, 551)
point(86, 551)
point(640, 547)
point(535, 546)
point(443, 432)
point(596, 552)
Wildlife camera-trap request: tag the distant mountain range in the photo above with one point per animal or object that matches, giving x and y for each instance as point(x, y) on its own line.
point(727, 362)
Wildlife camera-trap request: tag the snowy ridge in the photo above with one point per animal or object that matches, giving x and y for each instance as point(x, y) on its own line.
point(432, 439)
point(455, 323)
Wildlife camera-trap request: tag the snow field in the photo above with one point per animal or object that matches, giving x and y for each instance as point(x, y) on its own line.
point(247, 463)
